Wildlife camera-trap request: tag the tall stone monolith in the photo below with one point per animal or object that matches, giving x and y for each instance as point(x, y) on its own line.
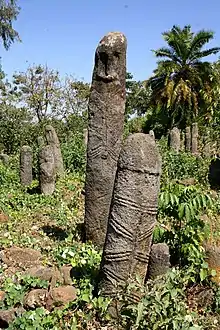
point(133, 214)
point(53, 141)
point(105, 131)
point(47, 170)
point(188, 139)
point(26, 159)
point(175, 139)
point(195, 136)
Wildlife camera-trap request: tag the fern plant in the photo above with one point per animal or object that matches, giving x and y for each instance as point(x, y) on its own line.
point(184, 231)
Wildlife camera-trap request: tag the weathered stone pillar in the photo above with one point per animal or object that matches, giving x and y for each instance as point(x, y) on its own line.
point(188, 139)
point(175, 139)
point(47, 170)
point(133, 214)
point(26, 160)
point(53, 141)
point(195, 135)
point(105, 131)
point(159, 262)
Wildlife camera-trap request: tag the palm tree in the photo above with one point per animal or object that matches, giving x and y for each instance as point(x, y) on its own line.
point(181, 74)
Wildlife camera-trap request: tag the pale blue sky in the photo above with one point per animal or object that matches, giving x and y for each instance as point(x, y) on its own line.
point(64, 33)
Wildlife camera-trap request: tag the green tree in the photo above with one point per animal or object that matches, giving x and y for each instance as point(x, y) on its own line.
point(137, 97)
point(16, 128)
point(9, 11)
point(36, 88)
point(182, 74)
point(48, 96)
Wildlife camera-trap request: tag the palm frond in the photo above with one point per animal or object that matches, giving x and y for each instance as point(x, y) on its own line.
point(204, 53)
point(200, 39)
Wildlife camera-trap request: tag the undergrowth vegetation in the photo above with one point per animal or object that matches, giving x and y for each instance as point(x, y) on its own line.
point(54, 226)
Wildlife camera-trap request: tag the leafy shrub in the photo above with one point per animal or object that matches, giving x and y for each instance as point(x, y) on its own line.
point(162, 306)
point(82, 256)
point(176, 166)
point(180, 208)
point(16, 288)
point(74, 153)
point(8, 177)
point(38, 319)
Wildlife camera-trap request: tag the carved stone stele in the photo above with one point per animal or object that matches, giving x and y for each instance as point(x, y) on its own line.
point(53, 141)
point(188, 139)
point(47, 170)
point(105, 131)
point(26, 165)
point(133, 214)
point(159, 262)
point(175, 139)
point(195, 136)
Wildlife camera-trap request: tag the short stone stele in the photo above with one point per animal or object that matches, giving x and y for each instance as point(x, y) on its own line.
point(133, 214)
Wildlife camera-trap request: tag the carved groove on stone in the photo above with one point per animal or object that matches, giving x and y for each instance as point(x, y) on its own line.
point(110, 274)
point(146, 234)
point(112, 154)
point(120, 200)
point(141, 257)
point(126, 202)
point(96, 151)
point(117, 256)
point(152, 171)
point(133, 298)
point(120, 229)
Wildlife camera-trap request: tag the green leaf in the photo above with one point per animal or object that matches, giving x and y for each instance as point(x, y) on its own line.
point(203, 274)
point(140, 309)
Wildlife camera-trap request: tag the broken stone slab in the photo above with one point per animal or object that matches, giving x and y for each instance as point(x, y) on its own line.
point(36, 298)
point(52, 274)
point(66, 274)
point(3, 217)
point(9, 315)
point(60, 296)
point(46, 273)
point(2, 295)
point(20, 257)
point(159, 262)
